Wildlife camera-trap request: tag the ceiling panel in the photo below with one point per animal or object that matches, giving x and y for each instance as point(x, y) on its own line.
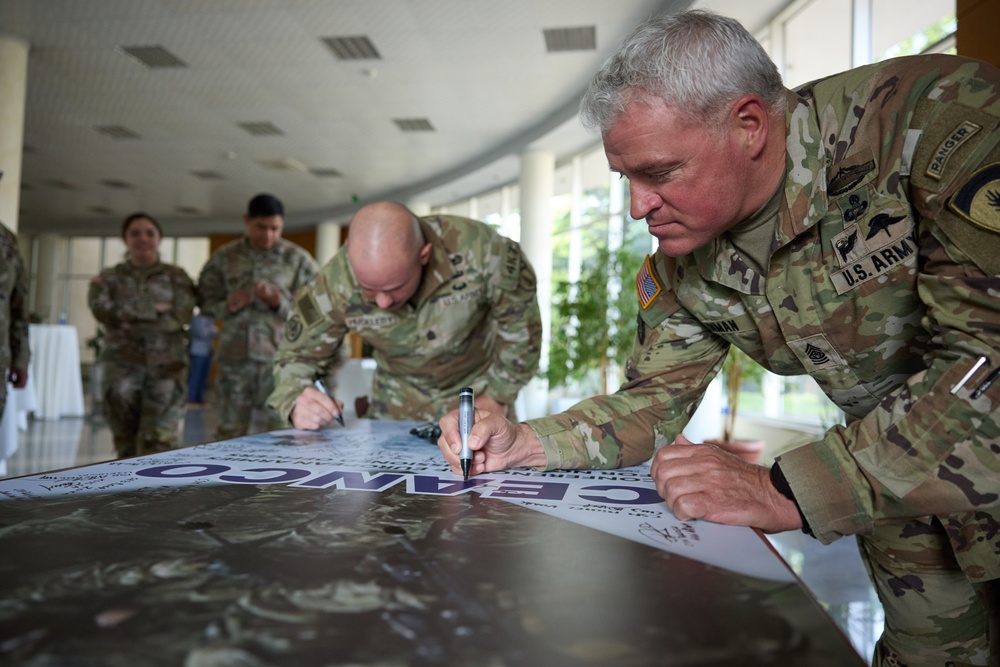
point(477, 70)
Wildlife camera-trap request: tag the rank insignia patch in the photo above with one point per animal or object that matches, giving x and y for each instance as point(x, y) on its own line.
point(646, 284)
point(978, 201)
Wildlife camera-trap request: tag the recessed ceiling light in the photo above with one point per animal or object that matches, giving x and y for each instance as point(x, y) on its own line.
point(207, 175)
point(414, 124)
point(261, 128)
point(116, 131)
point(284, 164)
point(583, 38)
point(152, 57)
point(352, 47)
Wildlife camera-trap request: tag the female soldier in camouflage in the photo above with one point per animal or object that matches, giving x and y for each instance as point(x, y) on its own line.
point(143, 305)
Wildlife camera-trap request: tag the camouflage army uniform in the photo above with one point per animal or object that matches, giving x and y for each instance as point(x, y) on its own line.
point(145, 353)
point(884, 286)
point(250, 336)
point(474, 321)
point(13, 310)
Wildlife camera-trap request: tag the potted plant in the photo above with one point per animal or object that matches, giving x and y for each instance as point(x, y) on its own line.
point(594, 326)
point(737, 369)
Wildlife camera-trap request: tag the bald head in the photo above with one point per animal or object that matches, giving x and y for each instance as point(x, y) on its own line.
point(387, 252)
point(383, 232)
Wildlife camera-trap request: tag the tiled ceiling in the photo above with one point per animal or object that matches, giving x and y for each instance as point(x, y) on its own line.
point(186, 108)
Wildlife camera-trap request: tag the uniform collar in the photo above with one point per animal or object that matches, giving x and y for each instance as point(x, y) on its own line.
point(805, 170)
point(254, 249)
point(804, 196)
point(441, 267)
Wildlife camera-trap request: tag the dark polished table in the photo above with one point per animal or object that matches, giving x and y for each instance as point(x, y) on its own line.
point(357, 546)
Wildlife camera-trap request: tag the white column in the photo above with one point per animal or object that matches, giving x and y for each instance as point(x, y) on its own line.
point(537, 184)
point(861, 33)
point(771, 386)
point(575, 222)
point(51, 257)
point(419, 208)
point(13, 84)
point(327, 241)
point(616, 238)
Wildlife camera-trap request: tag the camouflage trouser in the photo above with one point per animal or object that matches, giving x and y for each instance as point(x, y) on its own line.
point(241, 388)
point(143, 406)
point(933, 614)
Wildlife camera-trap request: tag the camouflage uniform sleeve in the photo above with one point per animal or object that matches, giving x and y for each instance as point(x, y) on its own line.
point(926, 450)
point(314, 333)
point(518, 323)
point(673, 361)
point(111, 307)
point(184, 296)
point(212, 292)
point(18, 335)
point(305, 274)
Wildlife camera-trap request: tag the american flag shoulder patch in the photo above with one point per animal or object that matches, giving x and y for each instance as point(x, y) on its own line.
point(646, 284)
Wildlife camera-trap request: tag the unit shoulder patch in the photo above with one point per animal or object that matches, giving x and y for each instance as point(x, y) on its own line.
point(978, 201)
point(293, 328)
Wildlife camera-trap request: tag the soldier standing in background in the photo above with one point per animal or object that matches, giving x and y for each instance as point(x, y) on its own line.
point(248, 285)
point(849, 229)
point(444, 301)
point(14, 355)
point(143, 305)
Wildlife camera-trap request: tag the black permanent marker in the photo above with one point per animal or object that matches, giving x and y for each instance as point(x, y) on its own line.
point(466, 412)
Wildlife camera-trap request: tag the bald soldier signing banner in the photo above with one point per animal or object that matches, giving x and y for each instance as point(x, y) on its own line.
point(445, 302)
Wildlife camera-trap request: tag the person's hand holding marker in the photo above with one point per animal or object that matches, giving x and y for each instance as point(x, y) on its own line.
point(490, 443)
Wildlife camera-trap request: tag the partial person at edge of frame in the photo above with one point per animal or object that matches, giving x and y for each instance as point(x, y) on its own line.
point(849, 230)
point(444, 301)
point(14, 340)
point(143, 305)
point(247, 286)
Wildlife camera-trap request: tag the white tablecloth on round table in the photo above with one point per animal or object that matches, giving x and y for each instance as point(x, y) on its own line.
point(55, 371)
point(15, 416)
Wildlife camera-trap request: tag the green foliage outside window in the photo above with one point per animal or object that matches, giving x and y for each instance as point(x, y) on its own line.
point(591, 327)
point(593, 319)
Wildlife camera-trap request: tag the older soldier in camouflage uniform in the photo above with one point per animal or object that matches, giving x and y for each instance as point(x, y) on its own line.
point(248, 285)
point(13, 316)
point(143, 305)
point(849, 230)
point(444, 301)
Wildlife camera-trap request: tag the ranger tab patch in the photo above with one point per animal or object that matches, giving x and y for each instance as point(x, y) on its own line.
point(646, 284)
point(958, 136)
point(978, 201)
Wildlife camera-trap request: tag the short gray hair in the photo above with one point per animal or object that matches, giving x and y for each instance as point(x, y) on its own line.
point(695, 61)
